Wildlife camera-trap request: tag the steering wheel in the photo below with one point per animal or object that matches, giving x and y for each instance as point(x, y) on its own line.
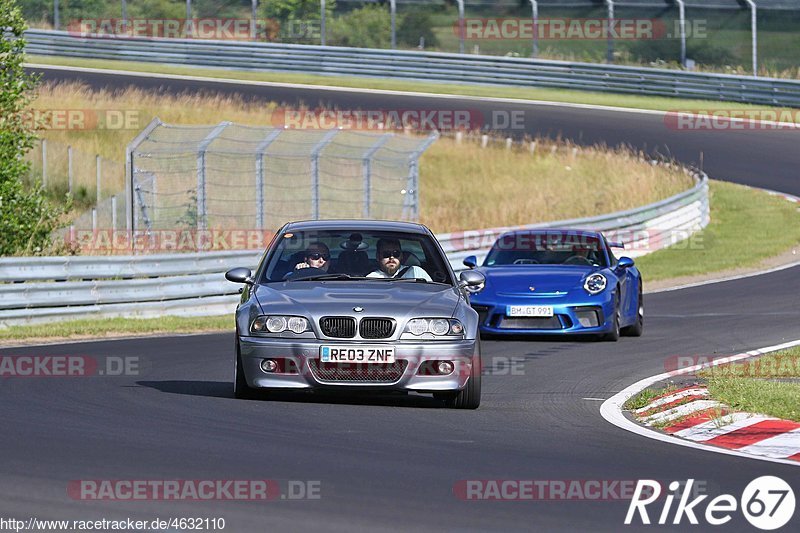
point(526, 262)
point(301, 273)
point(578, 260)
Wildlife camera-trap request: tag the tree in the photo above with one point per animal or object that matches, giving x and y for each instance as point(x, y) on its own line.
point(26, 217)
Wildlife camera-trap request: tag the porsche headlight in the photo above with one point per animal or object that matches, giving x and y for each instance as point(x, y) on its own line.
point(439, 327)
point(279, 324)
point(595, 284)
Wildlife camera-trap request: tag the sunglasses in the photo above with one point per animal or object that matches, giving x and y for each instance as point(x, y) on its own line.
point(386, 254)
point(316, 256)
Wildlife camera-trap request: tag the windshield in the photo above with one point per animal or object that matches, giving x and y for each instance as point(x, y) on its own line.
point(547, 248)
point(340, 255)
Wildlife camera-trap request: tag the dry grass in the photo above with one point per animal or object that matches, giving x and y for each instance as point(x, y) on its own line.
point(463, 186)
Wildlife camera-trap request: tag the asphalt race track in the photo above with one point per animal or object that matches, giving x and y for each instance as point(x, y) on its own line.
point(393, 462)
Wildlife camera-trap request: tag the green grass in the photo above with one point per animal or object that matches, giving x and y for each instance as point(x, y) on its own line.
point(637, 401)
point(118, 326)
point(748, 386)
point(550, 95)
point(746, 228)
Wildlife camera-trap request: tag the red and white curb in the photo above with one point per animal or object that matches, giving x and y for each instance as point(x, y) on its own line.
point(705, 424)
point(686, 414)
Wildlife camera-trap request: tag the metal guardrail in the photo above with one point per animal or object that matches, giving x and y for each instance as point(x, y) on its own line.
point(427, 66)
point(43, 289)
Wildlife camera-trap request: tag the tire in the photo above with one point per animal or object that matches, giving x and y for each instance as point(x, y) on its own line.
point(241, 390)
point(613, 336)
point(470, 396)
point(637, 328)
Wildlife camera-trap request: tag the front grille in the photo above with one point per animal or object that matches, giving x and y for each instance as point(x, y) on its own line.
point(551, 322)
point(342, 327)
point(376, 328)
point(357, 373)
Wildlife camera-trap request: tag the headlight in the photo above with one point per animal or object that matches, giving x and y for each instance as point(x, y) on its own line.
point(279, 324)
point(437, 326)
point(595, 284)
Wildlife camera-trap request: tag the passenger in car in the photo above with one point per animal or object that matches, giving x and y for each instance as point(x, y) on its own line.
point(317, 255)
point(388, 256)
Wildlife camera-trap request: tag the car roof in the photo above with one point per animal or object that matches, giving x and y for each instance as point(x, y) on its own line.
point(357, 225)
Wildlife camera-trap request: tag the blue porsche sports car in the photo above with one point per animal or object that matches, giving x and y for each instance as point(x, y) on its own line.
point(551, 281)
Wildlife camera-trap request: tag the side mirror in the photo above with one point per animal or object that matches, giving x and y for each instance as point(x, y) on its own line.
point(472, 279)
point(239, 275)
point(470, 261)
point(625, 262)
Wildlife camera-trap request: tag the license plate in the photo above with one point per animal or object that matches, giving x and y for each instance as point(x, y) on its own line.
point(356, 354)
point(530, 310)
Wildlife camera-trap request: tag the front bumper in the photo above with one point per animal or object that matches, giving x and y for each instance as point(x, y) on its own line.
point(566, 318)
point(305, 352)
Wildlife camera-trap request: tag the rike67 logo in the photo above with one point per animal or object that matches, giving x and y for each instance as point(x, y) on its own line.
point(767, 502)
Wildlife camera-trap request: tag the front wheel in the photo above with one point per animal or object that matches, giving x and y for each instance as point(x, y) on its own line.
point(470, 396)
point(241, 390)
point(638, 327)
point(613, 335)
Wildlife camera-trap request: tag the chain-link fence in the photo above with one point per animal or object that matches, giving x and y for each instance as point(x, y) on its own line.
point(714, 35)
point(232, 176)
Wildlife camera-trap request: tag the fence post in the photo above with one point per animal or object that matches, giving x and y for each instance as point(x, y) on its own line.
point(393, 15)
point(113, 215)
point(754, 33)
point(461, 29)
point(69, 168)
point(328, 137)
point(535, 15)
point(253, 15)
point(44, 163)
point(56, 16)
point(682, 27)
point(124, 16)
point(610, 50)
point(260, 149)
point(98, 171)
point(413, 175)
point(130, 172)
point(366, 171)
point(94, 221)
point(322, 22)
point(201, 174)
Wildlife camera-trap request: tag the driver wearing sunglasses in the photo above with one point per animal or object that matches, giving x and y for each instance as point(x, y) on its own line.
point(317, 255)
point(389, 257)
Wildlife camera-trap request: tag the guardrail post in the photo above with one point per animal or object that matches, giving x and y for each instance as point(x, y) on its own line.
point(260, 149)
point(610, 50)
point(366, 171)
point(315, 171)
point(201, 174)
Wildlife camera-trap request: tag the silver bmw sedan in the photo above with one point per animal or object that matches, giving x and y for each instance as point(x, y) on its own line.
point(354, 304)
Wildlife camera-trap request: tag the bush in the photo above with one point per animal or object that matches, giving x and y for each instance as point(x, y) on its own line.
point(415, 25)
point(367, 27)
point(670, 50)
point(26, 217)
